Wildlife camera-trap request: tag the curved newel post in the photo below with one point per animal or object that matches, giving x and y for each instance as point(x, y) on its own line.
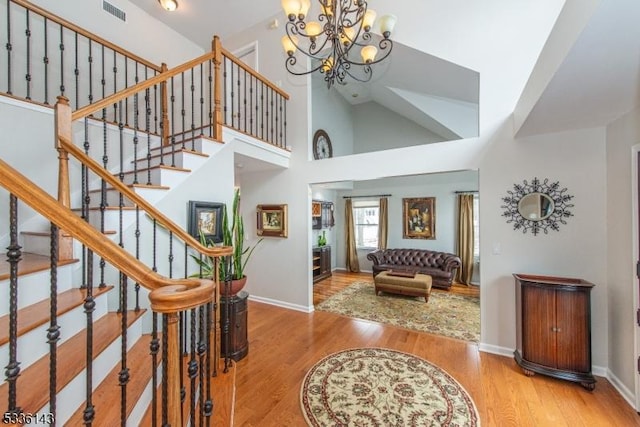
point(165, 105)
point(217, 88)
point(63, 130)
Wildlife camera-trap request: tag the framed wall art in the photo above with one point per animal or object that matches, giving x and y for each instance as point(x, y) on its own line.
point(205, 218)
point(419, 218)
point(272, 220)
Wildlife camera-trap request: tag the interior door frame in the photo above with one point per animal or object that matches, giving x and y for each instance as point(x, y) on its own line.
point(635, 227)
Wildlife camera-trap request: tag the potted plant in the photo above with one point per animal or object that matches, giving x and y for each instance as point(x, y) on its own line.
point(231, 236)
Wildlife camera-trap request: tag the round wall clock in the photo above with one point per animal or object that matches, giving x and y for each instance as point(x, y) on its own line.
point(322, 145)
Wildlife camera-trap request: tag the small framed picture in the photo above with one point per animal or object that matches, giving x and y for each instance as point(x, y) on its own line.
point(205, 219)
point(272, 220)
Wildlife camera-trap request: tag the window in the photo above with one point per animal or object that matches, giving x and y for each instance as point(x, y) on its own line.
point(365, 220)
point(476, 228)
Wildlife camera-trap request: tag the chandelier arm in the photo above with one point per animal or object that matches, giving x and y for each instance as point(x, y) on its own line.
point(291, 61)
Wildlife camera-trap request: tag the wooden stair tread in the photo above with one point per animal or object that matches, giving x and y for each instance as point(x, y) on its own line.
point(37, 314)
point(139, 364)
point(30, 398)
point(167, 152)
point(31, 263)
point(223, 395)
point(173, 168)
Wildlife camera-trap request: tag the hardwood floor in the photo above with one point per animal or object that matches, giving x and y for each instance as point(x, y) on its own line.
point(284, 345)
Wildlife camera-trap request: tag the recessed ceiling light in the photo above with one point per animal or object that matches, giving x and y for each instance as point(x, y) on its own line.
point(169, 5)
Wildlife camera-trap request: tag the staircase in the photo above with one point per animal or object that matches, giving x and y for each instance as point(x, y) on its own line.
point(93, 329)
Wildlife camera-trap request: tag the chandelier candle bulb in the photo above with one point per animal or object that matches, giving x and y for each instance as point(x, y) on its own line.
point(305, 5)
point(313, 29)
point(347, 35)
point(289, 44)
point(368, 54)
point(327, 64)
point(291, 8)
point(368, 20)
point(387, 23)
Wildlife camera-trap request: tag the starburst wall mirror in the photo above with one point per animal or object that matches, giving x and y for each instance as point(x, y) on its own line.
point(537, 206)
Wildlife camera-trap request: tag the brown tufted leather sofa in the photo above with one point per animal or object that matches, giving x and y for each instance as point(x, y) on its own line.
point(441, 266)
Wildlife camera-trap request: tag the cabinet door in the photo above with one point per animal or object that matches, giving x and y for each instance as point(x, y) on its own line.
point(538, 314)
point(326, 260)
point(572, 335)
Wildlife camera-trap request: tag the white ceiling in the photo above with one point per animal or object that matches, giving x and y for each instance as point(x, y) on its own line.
point(598, 81)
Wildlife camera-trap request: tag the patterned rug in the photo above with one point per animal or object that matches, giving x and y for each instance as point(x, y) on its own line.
point(381, 387)
point(454, 316)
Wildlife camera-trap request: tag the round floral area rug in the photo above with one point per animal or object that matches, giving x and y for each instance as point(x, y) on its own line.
point(382, 387)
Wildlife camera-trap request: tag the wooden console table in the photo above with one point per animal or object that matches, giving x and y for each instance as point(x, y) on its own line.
point(553, 327)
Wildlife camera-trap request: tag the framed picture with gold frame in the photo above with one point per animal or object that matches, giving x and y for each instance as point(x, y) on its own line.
point(419, 218)
point(272, 220)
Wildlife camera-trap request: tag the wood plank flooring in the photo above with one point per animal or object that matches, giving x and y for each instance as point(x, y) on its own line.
point(284, 344)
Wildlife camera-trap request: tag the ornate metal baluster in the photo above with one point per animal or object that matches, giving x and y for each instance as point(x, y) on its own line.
point(276, 139)
point(90, 60)
point(225, 108)
point(115, 85)
point(193, 368)
point(62, 88)
point(173, 121)
point(86, 200)
point(210, 103)
point(89, 306)
point(183, 115)
point(155, 105)
point(201, 105)
point(154, 346)
point(284, 121)
point(53, 332)
point(27, 33)
point(103, 184)
point(208, 404)
point(9, 47)
point(202, 349)
point(14, 255)
point(76, 72)
point(262, 109)
point(272, 115)
point(193, 109)
point(238, 93)
point(45, 61)
point(232, 110)
point(251, 119)
point(126, 85)
point(244, 100)
point(123, 375)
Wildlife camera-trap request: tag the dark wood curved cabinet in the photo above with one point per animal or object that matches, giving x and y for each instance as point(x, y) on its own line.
point(553, 324)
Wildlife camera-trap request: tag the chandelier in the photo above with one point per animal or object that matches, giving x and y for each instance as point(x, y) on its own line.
point(333, 42)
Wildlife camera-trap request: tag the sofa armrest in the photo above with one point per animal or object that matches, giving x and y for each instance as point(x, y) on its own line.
point(451, 262)
point(376, 256)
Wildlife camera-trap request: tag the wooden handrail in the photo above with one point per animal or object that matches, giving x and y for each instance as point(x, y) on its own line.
point(132, 90)
point(50, 16)
point(254, 73)
point(180, 293)
point(212, 251)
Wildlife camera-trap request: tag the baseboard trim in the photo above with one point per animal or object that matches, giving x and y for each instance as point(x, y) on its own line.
point(278, 303)
point(495, 349)
point(626, 394)
point(344, 269)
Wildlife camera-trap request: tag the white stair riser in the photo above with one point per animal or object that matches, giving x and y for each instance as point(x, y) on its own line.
point(33, 345)
point(35, 287)
point(151, 195)
point(137, 414)
point(159, 176)
point(181, 159)
point(112, 219)
point(74, 392)
point(207, 146)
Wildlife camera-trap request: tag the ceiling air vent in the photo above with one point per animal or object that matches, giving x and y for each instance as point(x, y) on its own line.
point(118, 13)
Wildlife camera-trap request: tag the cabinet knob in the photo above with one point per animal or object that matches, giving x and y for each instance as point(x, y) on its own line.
point(554, 329)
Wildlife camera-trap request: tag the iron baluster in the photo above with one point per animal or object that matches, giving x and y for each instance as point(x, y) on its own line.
point(210, 103)
point(86, 199)
point(276, 139)
point(173, 121)
point(126, 85)
point(62, 88)
point(14, 255)
point(272, 118)
point(53, 332)
point(155, 105)
point(103, 184)
point(76, 72)
point(90, 60)
point(115, 85)
point(27, 33)
point(182, 114)
point(9, 47)
point(137, 235)
point(201, 104)
point(193, 109)
point(232, 112)
point(208, 404)
point(89, 306)
point(202, 349)
point(251, 121)
point(224, 88)
point(193, 367)
point(244, 98)
point(284, 121)
point(262, 112)
point(226, 335)
point(123, 375)
point(154, 346)
point(45, 61)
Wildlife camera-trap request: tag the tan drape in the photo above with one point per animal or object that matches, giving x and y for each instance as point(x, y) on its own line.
point(352, 254)
point(465, 238)
point(383, 221)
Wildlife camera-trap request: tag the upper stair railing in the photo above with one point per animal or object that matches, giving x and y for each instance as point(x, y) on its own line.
point(47, 56)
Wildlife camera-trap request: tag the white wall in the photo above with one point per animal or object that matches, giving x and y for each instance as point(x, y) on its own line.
point(140, 34)
point(378, 128)
point(334, 115)
point(441, 186)
point(622, 134)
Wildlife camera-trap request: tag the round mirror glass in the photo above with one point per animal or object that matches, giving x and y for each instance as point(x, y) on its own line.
point(536, 206)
